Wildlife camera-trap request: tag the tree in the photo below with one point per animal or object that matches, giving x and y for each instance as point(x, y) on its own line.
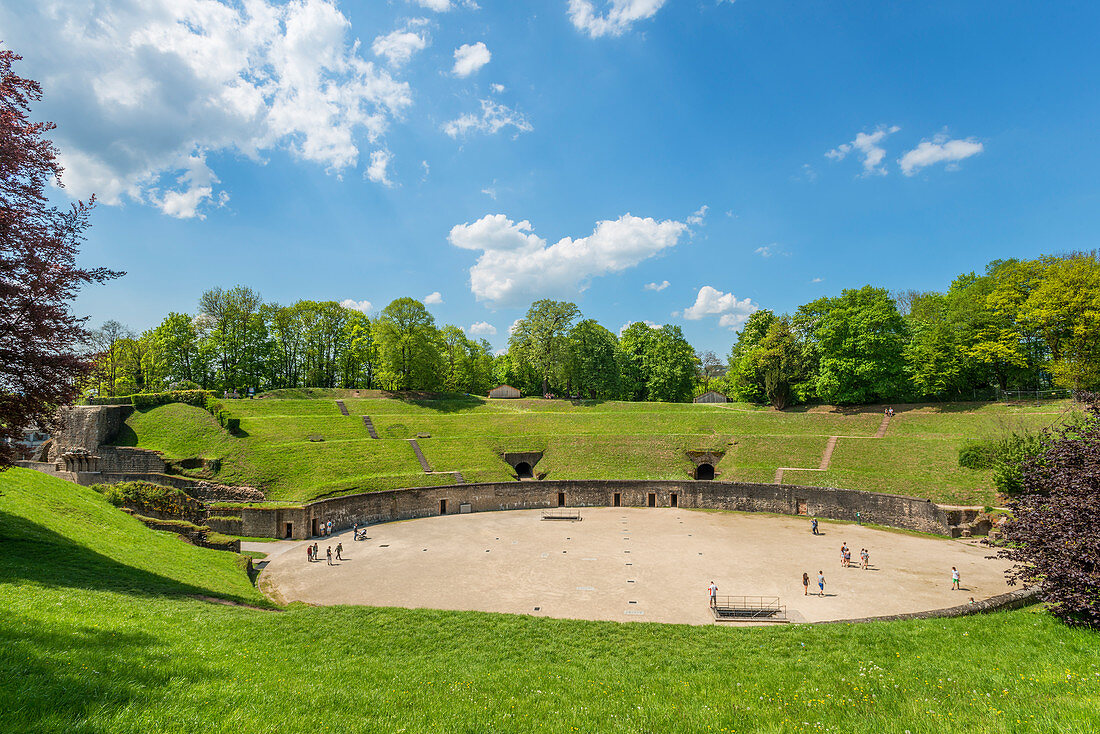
point(859, 338)
point(634, 342)
point(593, 372)
point(1052, 537)
point(539, 339)
point(936, 360)
point(669, 364)
point(779, 361)
point(710, 367)
point(407, 346)
point(41, 366)
point(108, 341)
point(744, 377)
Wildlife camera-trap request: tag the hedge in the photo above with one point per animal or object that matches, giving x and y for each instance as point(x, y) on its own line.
point(153, 399)
point(216, 409)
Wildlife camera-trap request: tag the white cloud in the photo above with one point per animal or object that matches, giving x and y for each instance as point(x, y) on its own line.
point(494, 117)
point(376, 171)
point(490, 192)
point(818, 280)
point(433, 298)
point(615, 20)
point(657, 286)
point(399, 46)
point(470, 58)
point(713, 302)
point(516, 265)
point(354, 305)
point(497, 88)
point(145, 93)
point(867, 145)
point(648, 323)
point(482, 328)
point(767, 251)
point(938, 150)
point(512, 328)
point(698, 216)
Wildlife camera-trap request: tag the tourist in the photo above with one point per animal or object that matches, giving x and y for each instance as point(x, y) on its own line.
point(355, 530)
point(339, 550)
point(328, 552)
point(316, 555)
point(329, 527)
point(805, 584)
point(859, 518)
point(309, 553)
point(713, 590)
point(971, 600)
point(813, 526)
point(844, 554)
point(821, 582)
point(865, 557)
point(955, 579)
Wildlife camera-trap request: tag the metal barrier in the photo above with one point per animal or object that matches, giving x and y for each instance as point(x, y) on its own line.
point(562, 513)
point(741, 608)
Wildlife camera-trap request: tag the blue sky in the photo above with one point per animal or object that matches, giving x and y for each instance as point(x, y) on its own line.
point(752, 154)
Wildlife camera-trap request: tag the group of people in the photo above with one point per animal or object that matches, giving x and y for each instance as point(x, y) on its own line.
point(889, 412)
point(820, 583)
point(313, 553)
point(326, 528)
point(846, 557)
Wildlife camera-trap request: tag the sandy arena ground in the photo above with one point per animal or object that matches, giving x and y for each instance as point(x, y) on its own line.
point(628, 564)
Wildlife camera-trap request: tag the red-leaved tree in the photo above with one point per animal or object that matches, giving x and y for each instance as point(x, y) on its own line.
point(1055, 535)
point(41, 359)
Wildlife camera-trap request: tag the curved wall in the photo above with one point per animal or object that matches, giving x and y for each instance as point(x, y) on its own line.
point(402, 504)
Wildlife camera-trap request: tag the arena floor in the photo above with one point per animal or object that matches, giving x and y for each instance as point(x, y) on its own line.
point(631, 564)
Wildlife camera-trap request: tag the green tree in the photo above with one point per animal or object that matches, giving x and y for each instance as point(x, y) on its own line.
point(744, 377)
point(175, 344)
point(593, 371)
point(935, 356)
point(408, 346)
point(1063, 309)
point(780, 365)
point(669, 365)
point(634, 342)
point(540, 339)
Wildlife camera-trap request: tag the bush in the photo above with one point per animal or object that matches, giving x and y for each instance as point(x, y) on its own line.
point(168, 500)
point(978, 454)
point(124, 400)
point(1004, 456)
point(197, 398)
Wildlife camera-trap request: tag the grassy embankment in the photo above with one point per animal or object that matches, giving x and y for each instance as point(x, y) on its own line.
point(609, 440)
point(99, 633)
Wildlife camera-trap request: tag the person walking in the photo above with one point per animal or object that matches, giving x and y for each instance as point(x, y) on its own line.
point(865, 558)
point(813, 526)
point(309, 553)
point(844, 554)
point(821, 583)
point(339, 550)
point(316, 553)
point(330, 527)
point(328, 552)
point(713, 591)
point(955, 579)
point(805, 584)
point(859, 518)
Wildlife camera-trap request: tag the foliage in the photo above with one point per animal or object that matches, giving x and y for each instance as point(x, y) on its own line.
point(41, 366)
point(593, 372)
point(150, 496)
point(407, 346)
point(539, 340)
point(1053, 539)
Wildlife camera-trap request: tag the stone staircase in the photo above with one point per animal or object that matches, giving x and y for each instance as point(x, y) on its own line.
point(370, 426)
point(420, 456)
point(343, 408)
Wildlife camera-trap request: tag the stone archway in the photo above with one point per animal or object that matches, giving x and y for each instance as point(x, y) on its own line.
point(704, 471)
point(523, 463)
point(523, 470)
point(706, 463)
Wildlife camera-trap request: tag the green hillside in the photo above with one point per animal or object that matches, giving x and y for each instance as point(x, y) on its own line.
point(590, 440)
point(99, 633)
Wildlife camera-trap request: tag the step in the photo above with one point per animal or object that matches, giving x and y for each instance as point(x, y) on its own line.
point(343, 408)
point(370, 426)
point(420, 456)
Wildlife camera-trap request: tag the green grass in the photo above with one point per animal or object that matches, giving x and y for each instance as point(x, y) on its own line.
point(98, 634)
point(585, 440)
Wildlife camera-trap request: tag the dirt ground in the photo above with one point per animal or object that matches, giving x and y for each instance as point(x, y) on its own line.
point(629, 564)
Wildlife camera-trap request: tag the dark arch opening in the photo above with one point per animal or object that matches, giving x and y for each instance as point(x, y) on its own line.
point(704, 471)
point(523, 470)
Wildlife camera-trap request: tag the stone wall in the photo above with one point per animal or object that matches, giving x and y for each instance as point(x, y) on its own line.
point(402, 504)
point(88, 427)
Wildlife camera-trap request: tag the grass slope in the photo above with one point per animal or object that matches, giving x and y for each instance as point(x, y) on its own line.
point(591, 440)
point(96, 635)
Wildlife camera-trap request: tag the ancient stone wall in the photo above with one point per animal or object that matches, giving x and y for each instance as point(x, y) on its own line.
point(88, 427)
point(402, 504)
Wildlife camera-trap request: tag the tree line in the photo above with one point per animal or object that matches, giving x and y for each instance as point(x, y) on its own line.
point(1022, 325)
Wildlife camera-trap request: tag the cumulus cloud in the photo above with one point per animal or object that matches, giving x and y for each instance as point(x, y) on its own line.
point(470, 58)
point(817, 280)
point(481, 328)
point(354, 305)
point(494, 118)
point(516, 265)
point(442, 6)
point(497, 88)
point(713, 302)
point(433, 298)
point(698, 216)
point(866, 145)
point(938, 150)
point(647, 322)
point(399, 46)
point(144, 93)
point(376, 171)
point(657, 286)
point(617, 17)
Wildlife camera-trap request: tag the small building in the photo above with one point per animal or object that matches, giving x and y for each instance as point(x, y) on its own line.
point(504, 391)
point(711, 396)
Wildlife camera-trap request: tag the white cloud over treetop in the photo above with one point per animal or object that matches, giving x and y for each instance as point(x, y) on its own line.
point(713, 302)
point(516, 265)
point(938, 150)
point(481, 328)
point(141, 91)
point(469, 58)
point(364, 306)
point(433, 298)
point(867, 145)
point(615, 20)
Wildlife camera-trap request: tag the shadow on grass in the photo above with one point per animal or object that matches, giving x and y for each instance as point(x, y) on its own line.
point(440, 402)
point(31, 552)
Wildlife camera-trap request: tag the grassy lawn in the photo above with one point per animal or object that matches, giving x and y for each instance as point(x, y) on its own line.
point(586, 440)
point(99, 633)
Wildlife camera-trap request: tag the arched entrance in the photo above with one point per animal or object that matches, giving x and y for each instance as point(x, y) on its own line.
point(523, 470)
point(704, 471)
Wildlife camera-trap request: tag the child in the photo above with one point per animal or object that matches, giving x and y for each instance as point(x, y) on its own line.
point(821, 582)
point(955, 579)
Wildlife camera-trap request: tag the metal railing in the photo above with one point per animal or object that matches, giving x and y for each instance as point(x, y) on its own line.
point(749, 607)
point(562, 513)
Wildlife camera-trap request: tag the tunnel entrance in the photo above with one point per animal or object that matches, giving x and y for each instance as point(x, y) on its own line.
point(523, 470)
point(704, 471)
